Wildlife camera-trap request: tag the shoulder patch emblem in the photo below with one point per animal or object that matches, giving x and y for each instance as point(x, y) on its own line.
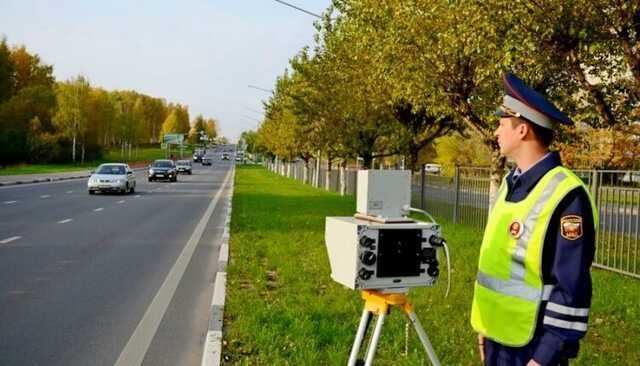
point(571, 227)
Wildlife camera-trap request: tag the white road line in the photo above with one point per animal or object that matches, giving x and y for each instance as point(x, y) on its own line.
point(122, 201)
point(64, 221)
point(137, 196)
point(137, 346)
point(98, 209)
point(9, 202)
point(45, 196)
point(9, 240)
point(69, 192)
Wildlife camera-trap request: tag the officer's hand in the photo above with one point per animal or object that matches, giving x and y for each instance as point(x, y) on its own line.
point(532, 362)
point(481, 346)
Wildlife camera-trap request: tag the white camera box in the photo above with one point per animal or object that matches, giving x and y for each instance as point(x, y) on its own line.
point(383, 193)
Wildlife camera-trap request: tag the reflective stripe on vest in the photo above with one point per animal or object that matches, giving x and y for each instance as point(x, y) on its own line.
point(509, 286)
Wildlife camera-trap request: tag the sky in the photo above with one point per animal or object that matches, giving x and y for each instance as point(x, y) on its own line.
point(202, 53)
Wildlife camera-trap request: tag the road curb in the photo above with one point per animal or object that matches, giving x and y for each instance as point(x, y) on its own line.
point(212, 354)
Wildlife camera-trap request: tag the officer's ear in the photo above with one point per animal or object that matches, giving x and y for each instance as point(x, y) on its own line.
point(522, 128)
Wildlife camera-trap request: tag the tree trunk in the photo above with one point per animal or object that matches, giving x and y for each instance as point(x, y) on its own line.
point(498, 164)
point(316, 177)
point(305, 172)
point(367, 160)
point(413, 158)
point(82, 158)
point(73, 149)
point(343, 177)
point(327, 175)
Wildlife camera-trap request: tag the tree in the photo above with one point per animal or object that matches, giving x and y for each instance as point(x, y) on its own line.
point(171, 124)
point(71, 117)
point(211, 128)
point(198, 130)
point(6, 72)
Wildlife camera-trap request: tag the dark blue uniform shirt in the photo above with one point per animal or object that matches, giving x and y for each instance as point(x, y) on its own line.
point(562, 319)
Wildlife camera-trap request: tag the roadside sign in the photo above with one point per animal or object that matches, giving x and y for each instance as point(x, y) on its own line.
point(173, 138)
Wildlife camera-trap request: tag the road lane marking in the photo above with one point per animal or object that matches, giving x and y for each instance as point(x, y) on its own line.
point(122, 201)
point(98, 209)
point(69, 192)
point(137, 346)
point(9, 202)
point(9, 240)
point(64, 221)
point(45, 196)
point(137, 196)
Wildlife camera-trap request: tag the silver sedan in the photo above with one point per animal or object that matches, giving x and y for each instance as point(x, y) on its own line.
point(112, 178)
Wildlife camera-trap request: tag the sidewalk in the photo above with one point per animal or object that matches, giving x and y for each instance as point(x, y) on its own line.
point(8, 180)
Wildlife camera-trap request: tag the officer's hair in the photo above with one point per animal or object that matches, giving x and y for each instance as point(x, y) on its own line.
point(544, 135)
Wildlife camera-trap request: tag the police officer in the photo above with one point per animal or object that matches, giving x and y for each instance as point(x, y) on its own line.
point(533, 288)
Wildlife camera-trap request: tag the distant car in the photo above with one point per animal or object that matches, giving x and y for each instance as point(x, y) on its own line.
point(206, 161)
point(184, 166)
point(112, 177)
point(225, 156)
point(163, 169)
point(432, 168)
point(197, 157)
point(239, 158)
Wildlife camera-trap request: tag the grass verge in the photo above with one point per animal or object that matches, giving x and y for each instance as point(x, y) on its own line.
point(113, 155)
point(283, 308)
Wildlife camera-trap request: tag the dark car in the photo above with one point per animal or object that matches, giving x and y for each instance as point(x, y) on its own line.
point(206, 161)
point(225, 156)
point(184, 166)
point(163, 169)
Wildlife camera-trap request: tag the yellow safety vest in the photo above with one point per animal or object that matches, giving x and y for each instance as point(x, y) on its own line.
point(509, 286)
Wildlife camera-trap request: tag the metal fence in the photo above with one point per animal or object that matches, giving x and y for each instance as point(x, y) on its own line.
point(464, 198)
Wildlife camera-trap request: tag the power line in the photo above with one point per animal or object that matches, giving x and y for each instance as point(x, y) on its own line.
point(251, 118)
point(299, 9)
point(254, 110)
point(259, 88)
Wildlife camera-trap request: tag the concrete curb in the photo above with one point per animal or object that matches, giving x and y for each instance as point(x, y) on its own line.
point(52, 179)
point(212, 354)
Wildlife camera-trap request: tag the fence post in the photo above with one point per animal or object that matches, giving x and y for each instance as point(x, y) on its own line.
point(422, 176)
point(595, 182)
point(456, 194)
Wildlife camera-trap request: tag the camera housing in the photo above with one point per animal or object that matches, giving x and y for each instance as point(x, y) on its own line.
point(375, 255)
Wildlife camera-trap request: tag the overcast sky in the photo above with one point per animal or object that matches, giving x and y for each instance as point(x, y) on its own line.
point(202, 53)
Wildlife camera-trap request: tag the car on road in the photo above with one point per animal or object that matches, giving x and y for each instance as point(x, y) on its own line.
point(112, 177)
point(432, 168)
point(184, 166)
point(163, 169)
point(198, 154)
point(206, 161)
point(225, 156)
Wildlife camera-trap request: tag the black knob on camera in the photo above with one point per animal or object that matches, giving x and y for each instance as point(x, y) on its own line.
point(368, 258)
point(365, 274)
point(366, 241)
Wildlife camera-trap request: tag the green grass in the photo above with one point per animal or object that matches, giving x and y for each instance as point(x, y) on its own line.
point(283, 308)
point(113, 155)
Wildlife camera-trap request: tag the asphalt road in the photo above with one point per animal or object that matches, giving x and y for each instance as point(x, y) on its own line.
point(90, 280)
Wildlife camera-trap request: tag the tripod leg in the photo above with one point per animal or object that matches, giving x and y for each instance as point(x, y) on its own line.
point(371, 351)
point(362, 330)
point(423, 338)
